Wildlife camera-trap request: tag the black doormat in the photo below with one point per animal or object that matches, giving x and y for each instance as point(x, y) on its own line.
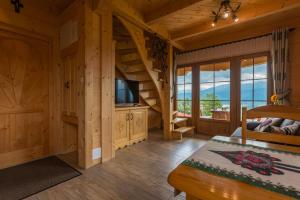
point(30, 178)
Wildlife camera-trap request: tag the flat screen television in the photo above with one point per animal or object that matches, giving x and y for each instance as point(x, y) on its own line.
point(126, 91)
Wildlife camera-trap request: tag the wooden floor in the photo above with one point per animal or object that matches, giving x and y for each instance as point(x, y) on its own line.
point(138, 172)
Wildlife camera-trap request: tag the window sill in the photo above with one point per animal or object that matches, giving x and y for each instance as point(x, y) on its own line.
point(214, 120)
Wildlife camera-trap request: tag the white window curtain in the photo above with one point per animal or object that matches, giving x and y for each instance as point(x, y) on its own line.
point(280, 63)
point(260, 44)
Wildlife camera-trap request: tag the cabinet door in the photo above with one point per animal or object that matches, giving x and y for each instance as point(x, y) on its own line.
point(121, 129)
point(138, 124)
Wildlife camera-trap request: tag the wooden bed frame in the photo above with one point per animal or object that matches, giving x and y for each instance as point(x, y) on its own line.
point(278, 111)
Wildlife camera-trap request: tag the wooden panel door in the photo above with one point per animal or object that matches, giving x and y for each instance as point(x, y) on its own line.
point(138, 124)
point(121, 128)
point(24, 98)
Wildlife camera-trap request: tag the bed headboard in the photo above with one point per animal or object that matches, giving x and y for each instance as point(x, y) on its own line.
point(277, 111)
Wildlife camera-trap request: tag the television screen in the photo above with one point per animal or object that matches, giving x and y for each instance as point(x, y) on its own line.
point(127, 91)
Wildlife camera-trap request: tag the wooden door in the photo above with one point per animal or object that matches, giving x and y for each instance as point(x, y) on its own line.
point(121, 128)
point(24, 98)
point(138, 124)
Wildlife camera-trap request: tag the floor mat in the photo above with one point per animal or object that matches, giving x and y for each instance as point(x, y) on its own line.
point(30, 178)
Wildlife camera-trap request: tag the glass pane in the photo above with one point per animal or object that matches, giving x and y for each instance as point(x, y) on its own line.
point(246, 69)
point(188, 92)
point(188, 108)
point(180, 76)
point(207, 91)
point(180, 108)
point(188, 74)
point(260, 67)
point(248, 104)
point(225, 105)
point(207, 73)
point(222, 71)
point(180, 92)
point(222, 110)
point(247, 90)
point(260, 89)
point(222, 91)
point(206, 108)
point(259, 103)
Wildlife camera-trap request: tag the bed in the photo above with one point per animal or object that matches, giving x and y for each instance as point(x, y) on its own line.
point(284, 134)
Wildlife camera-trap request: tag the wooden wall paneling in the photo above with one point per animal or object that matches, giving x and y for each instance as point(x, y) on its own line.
point(107, 85)
point(92, 84)
point(31, 19)
point(72, 83)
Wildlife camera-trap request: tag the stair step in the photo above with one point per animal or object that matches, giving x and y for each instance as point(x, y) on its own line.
point(179, 119)
point(156, 107)
point(125, 45)
point(132, 62)
point(182, 130)
point(151, 101)
point(126, 51)
point(135, 72)
point(147, 90)
point(130, 57)
point(156, 69)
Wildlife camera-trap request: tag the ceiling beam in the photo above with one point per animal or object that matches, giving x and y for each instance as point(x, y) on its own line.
point(168, 9)
point(122, 9)
point(247, 14)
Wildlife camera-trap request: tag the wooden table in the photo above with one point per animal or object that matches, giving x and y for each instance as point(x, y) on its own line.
point(198, 184)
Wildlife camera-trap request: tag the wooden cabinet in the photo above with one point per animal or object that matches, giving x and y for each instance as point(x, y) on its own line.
point(131, 126)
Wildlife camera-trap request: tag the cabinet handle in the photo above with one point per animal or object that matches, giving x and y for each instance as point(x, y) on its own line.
point(127, 116)
point(131, 116)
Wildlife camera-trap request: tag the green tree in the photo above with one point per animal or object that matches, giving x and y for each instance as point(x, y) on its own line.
point(210, 102)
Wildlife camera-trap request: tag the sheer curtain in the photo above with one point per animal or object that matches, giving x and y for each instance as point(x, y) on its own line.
point(280, 62)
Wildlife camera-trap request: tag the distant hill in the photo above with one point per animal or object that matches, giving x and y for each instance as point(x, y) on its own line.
point(222, 91)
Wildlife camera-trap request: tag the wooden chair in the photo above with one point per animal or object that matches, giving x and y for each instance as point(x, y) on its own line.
point(277, 111)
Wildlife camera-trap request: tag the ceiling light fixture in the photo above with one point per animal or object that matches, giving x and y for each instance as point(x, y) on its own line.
point(225, 10)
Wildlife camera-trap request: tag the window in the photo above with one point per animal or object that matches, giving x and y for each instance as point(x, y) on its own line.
point(184, 91)
point(254, 82)
point(215, 91)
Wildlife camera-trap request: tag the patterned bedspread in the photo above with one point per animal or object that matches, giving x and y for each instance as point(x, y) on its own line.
point(274, 170)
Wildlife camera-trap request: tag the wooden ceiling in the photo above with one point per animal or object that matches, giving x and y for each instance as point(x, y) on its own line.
point(54, 7)
point(189, 19)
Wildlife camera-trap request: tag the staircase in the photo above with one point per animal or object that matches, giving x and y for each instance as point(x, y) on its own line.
point(133, 62)
point(179, 127)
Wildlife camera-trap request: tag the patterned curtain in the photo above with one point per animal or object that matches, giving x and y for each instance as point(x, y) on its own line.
point(280, 64)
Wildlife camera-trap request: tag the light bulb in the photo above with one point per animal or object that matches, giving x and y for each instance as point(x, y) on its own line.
point(236, 19)
point(226, 14)
point(213, 24)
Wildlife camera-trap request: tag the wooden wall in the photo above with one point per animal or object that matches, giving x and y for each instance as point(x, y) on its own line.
point(29, 84)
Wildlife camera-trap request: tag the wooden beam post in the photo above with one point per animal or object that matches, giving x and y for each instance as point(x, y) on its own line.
point(167, 108)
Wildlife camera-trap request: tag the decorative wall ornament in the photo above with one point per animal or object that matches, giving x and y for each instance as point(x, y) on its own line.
point(18, 5)
point(159, 52)
point(225, 10)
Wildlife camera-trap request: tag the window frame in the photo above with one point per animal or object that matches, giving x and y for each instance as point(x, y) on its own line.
point(235, 96)
point(184, 100)
point(213, 62)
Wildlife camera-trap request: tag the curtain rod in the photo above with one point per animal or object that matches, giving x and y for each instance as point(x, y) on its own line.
point(226, 43)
